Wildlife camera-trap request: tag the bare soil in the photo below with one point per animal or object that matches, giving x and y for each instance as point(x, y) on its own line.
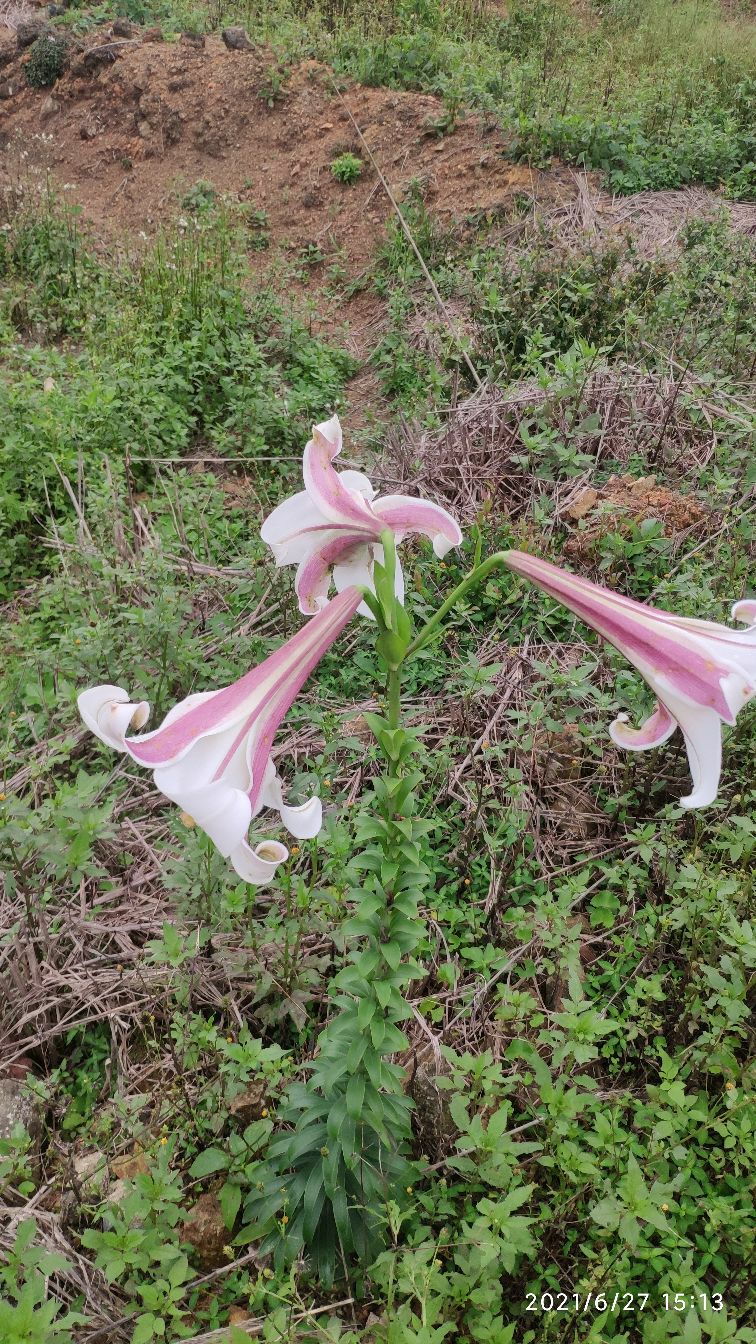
point(133, 133)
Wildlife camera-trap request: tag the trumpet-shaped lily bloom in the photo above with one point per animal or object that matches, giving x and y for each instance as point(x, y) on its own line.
point(331, 530)
point(702, 673)
point(212, 753)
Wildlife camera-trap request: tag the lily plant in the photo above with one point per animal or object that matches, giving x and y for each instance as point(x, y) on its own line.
point(325, 1181)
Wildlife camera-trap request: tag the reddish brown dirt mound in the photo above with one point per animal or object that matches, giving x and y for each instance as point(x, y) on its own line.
point(135, 122)
point(624, 500)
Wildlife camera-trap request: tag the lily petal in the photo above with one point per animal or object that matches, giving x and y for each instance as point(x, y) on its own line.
point(303, 821)
point(220, 810)
point(108, 713)
point(702, 732)
point(258, 865)
point(313, 578)
point(656, 730)
point(358, 481)
point(745, 611)
point(405, 515)
point(291, 530)
point(326, 488)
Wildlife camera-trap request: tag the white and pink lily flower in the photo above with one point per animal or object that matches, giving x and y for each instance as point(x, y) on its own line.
point(702, 673)
point(331, 530)
point(212, 753)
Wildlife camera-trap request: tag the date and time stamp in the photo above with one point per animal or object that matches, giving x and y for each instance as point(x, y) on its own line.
point(598, 1303)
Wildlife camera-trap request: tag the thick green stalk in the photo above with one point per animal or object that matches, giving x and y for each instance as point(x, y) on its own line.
point(394, 695)
point(474, 577)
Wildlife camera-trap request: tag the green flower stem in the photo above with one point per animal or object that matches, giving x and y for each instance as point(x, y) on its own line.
point(394, 695)
point(474, 577)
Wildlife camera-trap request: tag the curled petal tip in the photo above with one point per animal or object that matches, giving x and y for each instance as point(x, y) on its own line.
point(330, 430)
point(258, 865)
point(745, 611)
point(656, 730)
point(108, 713)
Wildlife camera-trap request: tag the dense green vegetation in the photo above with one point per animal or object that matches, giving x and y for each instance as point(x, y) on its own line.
point(581, 1043)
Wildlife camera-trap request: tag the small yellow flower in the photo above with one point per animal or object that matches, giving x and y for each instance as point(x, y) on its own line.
point(327, 783)
point(229, 1040)
point(2, 797)
point(485, 744)
point(467, 881)
point(438, 1264)
point(284, 1219)
point(264, 1112)
point(77, 641)
point(729, 1087)
point(665, 1208)
point(294, 850)
point(267, 1273)
point(442, 565)
point(163, 1141)
point(188, 821)
point(409, 1189)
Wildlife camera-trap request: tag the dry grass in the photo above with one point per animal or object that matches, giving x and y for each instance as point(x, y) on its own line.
point(476, 459)
point(13, 14)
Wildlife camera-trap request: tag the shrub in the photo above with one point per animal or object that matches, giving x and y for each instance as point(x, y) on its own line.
point(47, 61)
point(347, 168)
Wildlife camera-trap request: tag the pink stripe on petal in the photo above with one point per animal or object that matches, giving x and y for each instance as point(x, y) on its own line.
point(219, 710)
point(324, 486)
point(405, 514)
point(314, 574)
point(277, 707)
point(656, 647)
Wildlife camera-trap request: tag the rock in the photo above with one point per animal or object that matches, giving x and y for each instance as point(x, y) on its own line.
point(585, 501)
point(18, 1108)
point(55, 11)
point(194, 39)
point(7, 53)
point(8, 87)
point(144, 130)
point(126, 1168)
point(28, 32)
point(49, 109)
point(205, 1230)
point(92, 1172)
point(239, 1316)
point(248, 1105)
point(96, 57)
point(154, 34)
point(236, 39)
point(122, 28)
